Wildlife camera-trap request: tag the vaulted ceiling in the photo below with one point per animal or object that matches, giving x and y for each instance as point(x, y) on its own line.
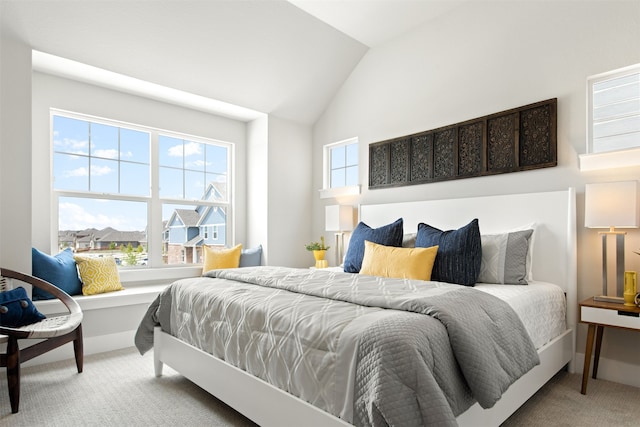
point(287, 58)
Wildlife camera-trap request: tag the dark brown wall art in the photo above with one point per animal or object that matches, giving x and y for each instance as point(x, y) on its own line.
point(515, 140)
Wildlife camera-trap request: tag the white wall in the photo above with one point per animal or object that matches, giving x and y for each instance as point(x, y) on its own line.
point(15, 163)
point(56, 92)
point(482, 58)
point(289, 210)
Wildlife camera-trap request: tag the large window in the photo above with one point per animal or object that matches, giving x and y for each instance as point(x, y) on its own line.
point(143, 196)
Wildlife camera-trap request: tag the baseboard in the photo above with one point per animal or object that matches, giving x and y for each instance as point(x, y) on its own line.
point(92, 345)
point(612, 370)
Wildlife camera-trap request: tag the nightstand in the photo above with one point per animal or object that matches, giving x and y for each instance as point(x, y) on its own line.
point(599, 315)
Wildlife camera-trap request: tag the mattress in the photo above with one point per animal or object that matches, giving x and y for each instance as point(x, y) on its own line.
point(541, 306)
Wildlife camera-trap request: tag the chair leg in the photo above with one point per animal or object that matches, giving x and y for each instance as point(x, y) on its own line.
point(78, 348)
point(13, 373)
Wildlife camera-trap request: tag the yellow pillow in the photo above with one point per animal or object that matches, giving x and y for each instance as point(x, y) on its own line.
point(98, 275)
point(401, 263)
point(221, 258)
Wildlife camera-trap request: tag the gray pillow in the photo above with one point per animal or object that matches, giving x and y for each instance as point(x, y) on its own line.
point(504, 258)
point(251, 257)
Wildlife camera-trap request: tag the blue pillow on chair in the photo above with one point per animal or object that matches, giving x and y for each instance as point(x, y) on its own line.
point(387, 235)
point(59, 270)
point(16, 309)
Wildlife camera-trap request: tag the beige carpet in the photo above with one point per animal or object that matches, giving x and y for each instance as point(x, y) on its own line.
point(118, 388)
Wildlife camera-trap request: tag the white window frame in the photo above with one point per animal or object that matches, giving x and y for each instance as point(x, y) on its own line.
point(327, 191)
point(155, 232)
point(614, 158)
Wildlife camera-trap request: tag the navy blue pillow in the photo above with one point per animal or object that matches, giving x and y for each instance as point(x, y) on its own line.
point(59, 270)
point(459, 252)
point(16, 309)
point(388, 235)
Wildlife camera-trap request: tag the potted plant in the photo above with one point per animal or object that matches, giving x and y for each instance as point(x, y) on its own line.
point(318, 248)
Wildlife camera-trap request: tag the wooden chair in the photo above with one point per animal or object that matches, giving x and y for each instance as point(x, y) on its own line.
point(53, 331)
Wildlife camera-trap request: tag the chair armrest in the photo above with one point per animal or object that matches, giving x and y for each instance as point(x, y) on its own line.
point(66, 299)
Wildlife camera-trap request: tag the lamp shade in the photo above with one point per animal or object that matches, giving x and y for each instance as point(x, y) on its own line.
point(338, 218)
point(611, 204)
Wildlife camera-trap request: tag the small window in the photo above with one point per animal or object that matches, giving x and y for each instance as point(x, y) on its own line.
point(614, 110)
point(341, 169)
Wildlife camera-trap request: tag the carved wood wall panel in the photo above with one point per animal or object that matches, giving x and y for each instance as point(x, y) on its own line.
point(519, 139)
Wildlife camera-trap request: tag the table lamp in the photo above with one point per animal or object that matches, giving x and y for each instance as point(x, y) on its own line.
point(612, 205)
point(339, 218)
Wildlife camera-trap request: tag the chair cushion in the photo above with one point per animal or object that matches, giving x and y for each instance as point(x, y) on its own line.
point(16, 309)
point(98, 275)
point(60, 270)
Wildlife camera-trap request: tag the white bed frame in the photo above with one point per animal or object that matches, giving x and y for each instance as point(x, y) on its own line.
point(554, 260)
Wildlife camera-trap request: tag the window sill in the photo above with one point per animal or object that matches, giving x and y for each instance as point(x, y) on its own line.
point(129, 296)
point(609, 160)
point(327, 193)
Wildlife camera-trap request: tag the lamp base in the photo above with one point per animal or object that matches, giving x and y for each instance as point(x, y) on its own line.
point(605, 298)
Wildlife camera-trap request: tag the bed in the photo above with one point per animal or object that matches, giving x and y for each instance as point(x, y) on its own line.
point(553, 264)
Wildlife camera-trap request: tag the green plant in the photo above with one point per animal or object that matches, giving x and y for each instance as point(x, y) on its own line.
point(317, 246)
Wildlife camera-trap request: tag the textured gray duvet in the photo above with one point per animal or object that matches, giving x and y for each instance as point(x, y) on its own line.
point(372, 351)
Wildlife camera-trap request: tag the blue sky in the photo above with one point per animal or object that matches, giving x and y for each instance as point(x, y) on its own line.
point(116, 160)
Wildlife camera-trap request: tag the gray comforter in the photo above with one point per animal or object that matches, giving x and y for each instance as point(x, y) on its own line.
point(370, 350)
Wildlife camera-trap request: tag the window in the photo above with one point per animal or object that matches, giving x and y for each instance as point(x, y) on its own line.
point(108, 205)
point(613, 122)
point(341, 168)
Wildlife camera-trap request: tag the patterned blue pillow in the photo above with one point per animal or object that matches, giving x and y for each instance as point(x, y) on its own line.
point(388, 235)
point(459, 252)
point(16, 309)
point(59, 270)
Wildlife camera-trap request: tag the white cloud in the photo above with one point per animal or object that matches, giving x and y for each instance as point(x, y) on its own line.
point(76, 172)
point(100, 170)
point(106, 154)
point(71, 145)
point(74, 216)
point(190, 149)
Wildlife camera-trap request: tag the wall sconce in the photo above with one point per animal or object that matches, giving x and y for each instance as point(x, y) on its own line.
point(339, 218)
point(612, 205)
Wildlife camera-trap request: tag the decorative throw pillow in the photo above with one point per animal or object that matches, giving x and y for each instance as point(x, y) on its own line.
point(98, 275)
point(388, 235)
point(251, 257)
point(60, 270)
point(16, 309)
point(401, 263)
point(459, 253)
point(215, 259)
point(504, 258)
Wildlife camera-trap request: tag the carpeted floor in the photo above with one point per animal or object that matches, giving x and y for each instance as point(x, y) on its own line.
point(119, 388)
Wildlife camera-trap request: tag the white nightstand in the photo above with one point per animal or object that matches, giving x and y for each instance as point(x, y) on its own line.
point(599, 315)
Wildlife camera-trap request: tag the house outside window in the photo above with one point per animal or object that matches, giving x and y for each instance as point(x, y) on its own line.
point(341, 174)
point(103, 175)
point(613, 119)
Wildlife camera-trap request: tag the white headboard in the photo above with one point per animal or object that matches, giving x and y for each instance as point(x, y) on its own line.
point(554, 251)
